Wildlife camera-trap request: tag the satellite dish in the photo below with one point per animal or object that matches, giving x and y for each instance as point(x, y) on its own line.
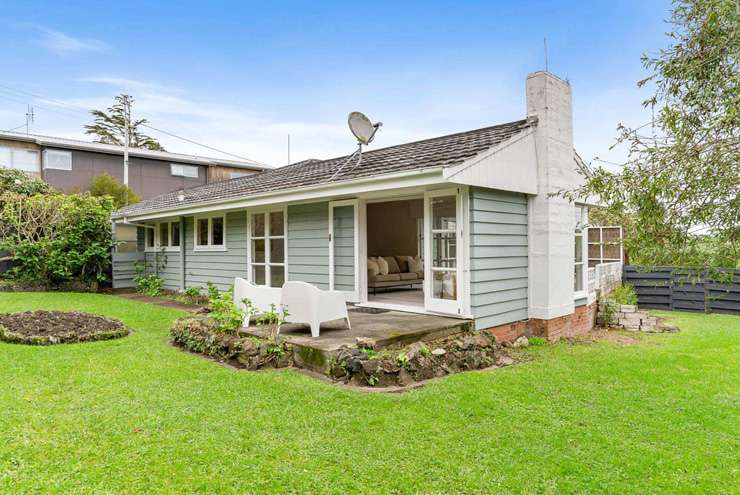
point(362, 128)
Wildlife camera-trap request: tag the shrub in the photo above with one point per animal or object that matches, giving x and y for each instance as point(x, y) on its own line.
point(16, 181)
point(57, 238)
point(224, 312)
point(107, 185)
point(150, 285)
point(624, 295)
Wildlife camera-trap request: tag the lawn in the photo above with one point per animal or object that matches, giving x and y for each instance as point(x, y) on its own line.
point(136, 415)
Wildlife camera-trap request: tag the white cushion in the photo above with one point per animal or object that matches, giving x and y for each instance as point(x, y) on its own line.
point(382, 265)
point(416, 264)
point(372, 266)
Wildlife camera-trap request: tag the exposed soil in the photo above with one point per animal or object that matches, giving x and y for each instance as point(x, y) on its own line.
point(613, 336)
point(58, 327)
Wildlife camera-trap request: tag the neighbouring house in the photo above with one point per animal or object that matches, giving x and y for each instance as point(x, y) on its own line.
point(69, 164)
point(462, 225)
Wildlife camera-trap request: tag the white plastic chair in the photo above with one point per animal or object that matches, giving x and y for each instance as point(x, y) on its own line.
point(261, 297)
point(305, 303)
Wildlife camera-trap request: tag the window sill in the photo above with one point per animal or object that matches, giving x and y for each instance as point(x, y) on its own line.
point(209, 248)
point(580, 295)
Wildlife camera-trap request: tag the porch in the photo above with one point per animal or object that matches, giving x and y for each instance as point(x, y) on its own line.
point(383, 327)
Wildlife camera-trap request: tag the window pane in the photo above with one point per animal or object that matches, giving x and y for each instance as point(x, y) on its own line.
point(578, 282)
point(276, 223)
point(202, 231)
point(444, 250)
point(594, 251)
point(444, 213)
point(217, 224)
point(258, 225)
point(611, 235)
point(444, 285)
point(149, 236)
point(258, 274)
point(183, 170)
point(579, 218)
point(175, 233)
point(277, 250)
point(164, 234)
point(277, 276)
point(5, 157)
point(26, 160)
point(579, 248)
point(611, 251)
point(593, 235)
point(258, 250)
point(59, 160)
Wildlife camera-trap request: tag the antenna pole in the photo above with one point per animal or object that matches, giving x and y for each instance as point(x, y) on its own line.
point(546, 65)
point(288, 148)
point(29, 117)
point(126, 139)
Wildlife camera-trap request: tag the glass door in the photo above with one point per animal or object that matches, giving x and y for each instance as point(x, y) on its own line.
point(443, 243)
point(344, 248)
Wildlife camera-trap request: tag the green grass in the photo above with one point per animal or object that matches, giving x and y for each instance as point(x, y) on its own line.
point(135, 415)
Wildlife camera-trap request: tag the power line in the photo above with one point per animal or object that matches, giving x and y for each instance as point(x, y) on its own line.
point(14, 128)
point(85, 112)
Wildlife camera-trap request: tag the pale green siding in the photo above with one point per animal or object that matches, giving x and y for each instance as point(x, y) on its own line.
point(308, 243)
point(219, 267)
point(344, 248)
point(499, 258)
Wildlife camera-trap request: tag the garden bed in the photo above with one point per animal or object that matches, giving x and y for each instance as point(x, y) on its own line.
point(58, 327)
point(359, 365)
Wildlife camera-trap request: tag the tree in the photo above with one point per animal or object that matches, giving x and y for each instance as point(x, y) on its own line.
point(17, 181)
point(107, 185)
point(680, 183)
point(110, 126)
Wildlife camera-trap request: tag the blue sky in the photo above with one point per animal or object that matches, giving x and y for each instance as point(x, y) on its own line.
point(240, 76)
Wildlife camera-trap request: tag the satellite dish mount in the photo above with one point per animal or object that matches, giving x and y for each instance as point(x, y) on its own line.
point(364, 130)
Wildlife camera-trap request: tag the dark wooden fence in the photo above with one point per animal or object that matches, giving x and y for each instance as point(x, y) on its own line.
point(670, 287)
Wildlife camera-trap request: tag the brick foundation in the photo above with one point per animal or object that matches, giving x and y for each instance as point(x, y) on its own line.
point(580, 322)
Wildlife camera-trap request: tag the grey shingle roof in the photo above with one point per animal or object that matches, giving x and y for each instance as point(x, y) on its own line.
point(441, 151)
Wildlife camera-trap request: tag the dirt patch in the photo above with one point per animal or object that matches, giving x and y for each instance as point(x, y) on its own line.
point(612, 336)
point(58, 327)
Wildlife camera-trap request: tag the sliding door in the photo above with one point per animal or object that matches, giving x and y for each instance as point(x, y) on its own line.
point(344, 274)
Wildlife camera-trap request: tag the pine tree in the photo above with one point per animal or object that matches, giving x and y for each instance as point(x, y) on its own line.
point(110, 127)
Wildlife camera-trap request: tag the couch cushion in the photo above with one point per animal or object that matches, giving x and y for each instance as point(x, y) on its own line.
point(416, 265)
point(403, 263)
point(372, 267)
point(391, 277)
point(382, 265)
point(409, 276)
point(392, 264)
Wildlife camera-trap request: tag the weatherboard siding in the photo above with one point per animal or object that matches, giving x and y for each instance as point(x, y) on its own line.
point(344, 248)
point(498, 257)
point(308, 243)
point(166, 265)
point(218, 267)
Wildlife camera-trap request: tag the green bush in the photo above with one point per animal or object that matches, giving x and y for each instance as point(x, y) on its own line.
point(17, 181)
point(107, 185)
point(224, 312)
point(57, 238)
point(624, 295)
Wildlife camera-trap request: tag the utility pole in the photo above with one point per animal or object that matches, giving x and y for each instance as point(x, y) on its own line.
point(29, 117)
point(288, 149)
point(126, 137)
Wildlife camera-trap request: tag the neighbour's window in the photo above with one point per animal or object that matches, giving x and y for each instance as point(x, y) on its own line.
point(579, 282)
point(179, 170)
point(236, 175)
point(57, 160)
point(20, 159)
point(267, 248)
point(210, 233)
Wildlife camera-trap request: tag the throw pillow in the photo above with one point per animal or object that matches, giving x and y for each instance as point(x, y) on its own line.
point(372, 267)
point(392, 264)
point(382, 265)
point(416, 264)
point(403, 263)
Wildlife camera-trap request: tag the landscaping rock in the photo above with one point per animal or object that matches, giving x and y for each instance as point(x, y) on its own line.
point(365, 343)
point(504, 361)
point(439, 352)
point(521, 341)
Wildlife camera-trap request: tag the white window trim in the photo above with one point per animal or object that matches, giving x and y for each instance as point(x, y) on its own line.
point(157, 241)
point(584, 252)
point(44, 159)
point(267, 263)
point(210, 246)
point(183, 168)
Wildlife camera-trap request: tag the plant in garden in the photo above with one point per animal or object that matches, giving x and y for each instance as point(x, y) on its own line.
point(624, 294)
point(212, 291)
point(224, 312)
point(681, 182)
point(273, 320)
point(57, 238)
point(16, 181)
point(107, 185)
point(148, 284)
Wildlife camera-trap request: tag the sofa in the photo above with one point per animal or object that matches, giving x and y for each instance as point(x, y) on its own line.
point(384, 272)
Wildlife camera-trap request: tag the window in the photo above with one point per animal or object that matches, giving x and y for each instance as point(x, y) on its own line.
point(21, 159)
point(57, 160)
point(210, 233)
point(179, 170)
point(236, 175)
point(267, 261)
point(579, 270)
point(604, 245)
point(166, 235)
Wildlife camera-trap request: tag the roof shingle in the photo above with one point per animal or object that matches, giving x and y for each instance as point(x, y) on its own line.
point(442, 151)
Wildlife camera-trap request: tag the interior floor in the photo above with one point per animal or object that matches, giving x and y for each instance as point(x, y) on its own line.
point(405, 297)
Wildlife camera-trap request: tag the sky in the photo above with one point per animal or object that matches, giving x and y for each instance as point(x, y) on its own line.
point(242, 76)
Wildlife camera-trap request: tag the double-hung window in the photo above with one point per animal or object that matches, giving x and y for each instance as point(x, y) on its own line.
point(579, 264)
point(267, 260)
point(210, 233)
point(165, 235)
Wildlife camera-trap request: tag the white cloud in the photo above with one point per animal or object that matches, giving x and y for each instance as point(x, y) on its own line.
point(64, 44)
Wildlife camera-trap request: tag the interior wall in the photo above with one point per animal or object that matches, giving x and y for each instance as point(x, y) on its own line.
point(391, 227)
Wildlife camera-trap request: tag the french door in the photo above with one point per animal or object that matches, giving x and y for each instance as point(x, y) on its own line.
point(344, 246)
point(443, 251)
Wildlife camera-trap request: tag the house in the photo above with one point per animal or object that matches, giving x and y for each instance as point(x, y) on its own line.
point(465, 225)
point(69, 165)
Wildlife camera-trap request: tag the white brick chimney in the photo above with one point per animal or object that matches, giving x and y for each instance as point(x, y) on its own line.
point(551, 224)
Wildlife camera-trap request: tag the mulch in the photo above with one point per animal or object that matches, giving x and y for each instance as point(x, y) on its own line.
point(58, 327)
